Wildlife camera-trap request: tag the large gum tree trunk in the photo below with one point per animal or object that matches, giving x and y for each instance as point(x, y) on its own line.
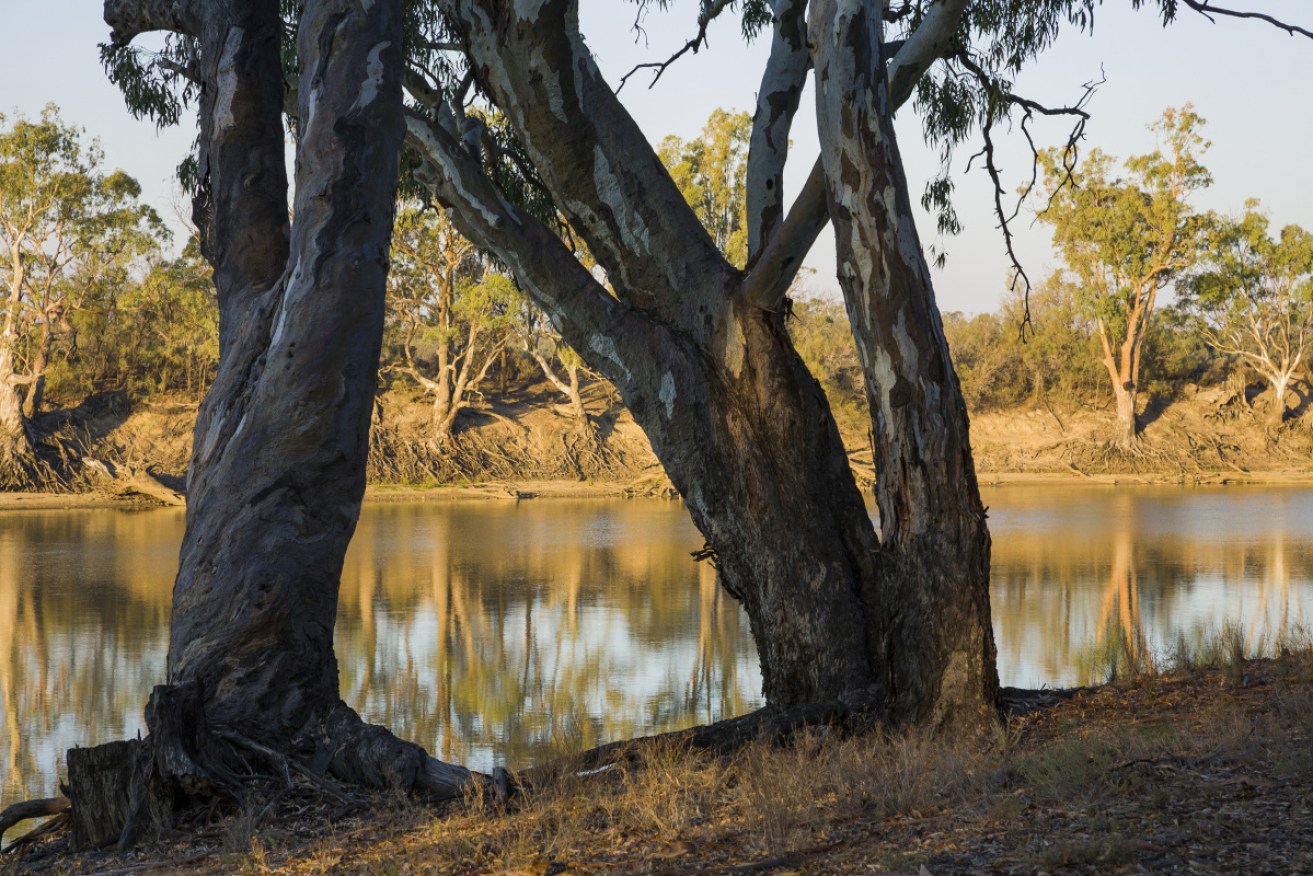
point(278, 470)
point(935, 638)
point(699, 354)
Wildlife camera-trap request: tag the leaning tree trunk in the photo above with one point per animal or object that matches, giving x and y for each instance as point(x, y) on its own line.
point(743, 430)
point(278, 468)
point(936, 637)
point(36, 394)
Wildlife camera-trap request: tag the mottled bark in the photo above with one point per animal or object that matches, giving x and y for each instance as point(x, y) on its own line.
point(935, 636)
point(15, 448)
point(708, 371)
point(278, 467)
point(777, 103)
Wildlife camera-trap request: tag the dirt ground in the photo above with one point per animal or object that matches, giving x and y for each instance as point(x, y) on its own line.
point(1201, 771)
point(528, 446)
point(1207, 436)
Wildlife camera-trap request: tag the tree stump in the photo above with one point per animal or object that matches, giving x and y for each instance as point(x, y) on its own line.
point(100, 784)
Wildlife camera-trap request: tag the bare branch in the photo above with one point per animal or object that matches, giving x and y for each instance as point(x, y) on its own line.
point(711, 10)
point(1208, 10)
point(1000, 100)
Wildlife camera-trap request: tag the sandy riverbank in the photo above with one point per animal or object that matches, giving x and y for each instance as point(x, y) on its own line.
point(563, 489)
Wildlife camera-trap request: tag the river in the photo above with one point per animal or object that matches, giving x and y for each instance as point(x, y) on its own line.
point(494, 633)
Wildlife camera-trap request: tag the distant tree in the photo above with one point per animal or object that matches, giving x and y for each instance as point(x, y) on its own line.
point(1124, 238)
point(450, 312)
point(159, 334)
point(1254, 295)
point(711, 173)
point(559, 363)
point(69, 231)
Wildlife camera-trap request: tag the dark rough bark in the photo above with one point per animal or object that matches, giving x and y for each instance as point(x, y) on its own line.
point(278, 470)
point(101, 800)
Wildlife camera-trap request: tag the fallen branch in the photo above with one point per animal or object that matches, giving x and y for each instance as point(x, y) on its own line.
point(31, 809)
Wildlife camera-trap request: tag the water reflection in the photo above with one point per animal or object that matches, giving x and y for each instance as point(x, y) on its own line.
point(495, 633)
point(1091, 580)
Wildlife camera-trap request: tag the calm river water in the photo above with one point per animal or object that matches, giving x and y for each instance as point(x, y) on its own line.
point(494, 633)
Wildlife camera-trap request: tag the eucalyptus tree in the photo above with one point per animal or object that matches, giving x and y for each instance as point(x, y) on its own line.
point(68, 229)
point(711, 172)
point(897, 624)
point(1255, 295)
point(278, 466)
point(557, 360)
point(1124, 239)
point(448, 302)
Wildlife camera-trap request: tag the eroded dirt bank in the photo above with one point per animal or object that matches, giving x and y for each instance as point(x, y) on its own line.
point(111, 452)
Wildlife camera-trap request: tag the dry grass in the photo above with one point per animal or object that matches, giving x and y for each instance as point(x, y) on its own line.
point(1204, 769)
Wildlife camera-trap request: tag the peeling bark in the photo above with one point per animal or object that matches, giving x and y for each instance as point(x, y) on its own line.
point(777, 103)
point(936, 636)
point(742, 429)
point(277, 474)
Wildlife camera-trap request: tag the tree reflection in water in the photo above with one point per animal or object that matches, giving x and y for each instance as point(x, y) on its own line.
point(1091, 582)
point(495, 633)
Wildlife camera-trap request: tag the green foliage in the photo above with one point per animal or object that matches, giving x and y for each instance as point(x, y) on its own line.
point(1252, 294)
point(711, 173)
point(1126, 238)
point(74, 237)
point(158, 335)
point(449, 313)
point(1055, 359)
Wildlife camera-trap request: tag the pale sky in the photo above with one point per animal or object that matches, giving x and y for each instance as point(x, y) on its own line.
point(1253, 84)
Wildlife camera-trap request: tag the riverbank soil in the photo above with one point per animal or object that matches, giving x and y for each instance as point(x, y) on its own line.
point(1203, 770)
point(523, 443)
point(1208, 435)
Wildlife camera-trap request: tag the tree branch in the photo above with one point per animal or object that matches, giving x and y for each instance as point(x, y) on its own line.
point(933, 39)
point(1208, 10)
point(574, 301)
point(594, 159)
point(1001, 99)
point(780, 258)
point(711, 9)
point(777, 103)
point(773, 272)
point(131, 18)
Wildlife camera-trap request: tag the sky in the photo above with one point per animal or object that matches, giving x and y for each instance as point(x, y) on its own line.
point(1250, 81)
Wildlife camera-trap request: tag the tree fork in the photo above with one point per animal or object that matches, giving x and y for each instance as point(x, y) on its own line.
point(277, 474)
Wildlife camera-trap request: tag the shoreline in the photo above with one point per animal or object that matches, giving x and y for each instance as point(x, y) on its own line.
point(518, 491)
